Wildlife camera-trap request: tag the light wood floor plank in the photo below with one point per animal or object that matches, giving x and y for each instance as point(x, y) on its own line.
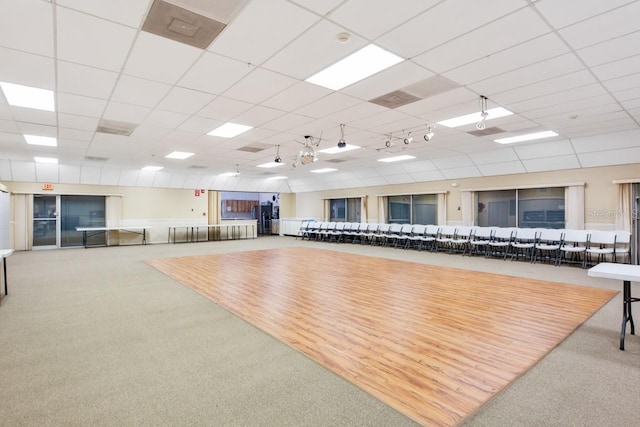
point(435, 343)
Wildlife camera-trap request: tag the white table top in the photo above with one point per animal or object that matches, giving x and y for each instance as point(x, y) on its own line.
point(110, 228)
point(5, 253)
point(610, 270)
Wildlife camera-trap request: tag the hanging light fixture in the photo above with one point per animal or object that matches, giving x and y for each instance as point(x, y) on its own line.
point(341, 142)
point(278, 159)
point(308, 153)
point(429, 135)
point(389, 142)
point(408, 139)
point(481, 125)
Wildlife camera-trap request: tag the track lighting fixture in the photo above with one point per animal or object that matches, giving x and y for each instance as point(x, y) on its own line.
point(408, 139)
point(388, 143)
point(278, 159)
point(341, 142)
point(481, 125)
point(429, 135)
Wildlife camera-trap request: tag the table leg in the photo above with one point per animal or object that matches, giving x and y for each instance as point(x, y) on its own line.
point(4, 273)
point(627, 315)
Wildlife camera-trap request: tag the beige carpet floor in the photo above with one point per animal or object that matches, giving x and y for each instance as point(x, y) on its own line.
point(97, 337)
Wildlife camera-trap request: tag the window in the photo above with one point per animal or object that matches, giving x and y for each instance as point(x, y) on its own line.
point(345, 210)
point(413, 209)
point(81, 211)
point(526, 208)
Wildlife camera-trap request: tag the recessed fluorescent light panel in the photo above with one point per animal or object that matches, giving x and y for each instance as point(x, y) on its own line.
point(229, 174)
point(28, 97)
point(229, 130)
point(397, 158)
point(527, 137)
point(492, 113)
point(45, 160)
point(277, 177)
point(355, 67)
point(46, 141)
point(324, 170)
point(271, 165)
point(180, 155)
point(151, 168)
point(336, 149)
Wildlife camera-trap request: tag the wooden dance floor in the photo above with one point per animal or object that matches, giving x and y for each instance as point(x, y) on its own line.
point(434, 343)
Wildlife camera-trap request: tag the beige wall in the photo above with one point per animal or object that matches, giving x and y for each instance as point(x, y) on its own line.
point(601, 197)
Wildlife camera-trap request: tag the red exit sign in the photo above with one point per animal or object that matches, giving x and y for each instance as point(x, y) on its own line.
point(47, 186)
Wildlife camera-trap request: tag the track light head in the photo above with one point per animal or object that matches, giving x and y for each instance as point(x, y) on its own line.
point(408, 139)
point(427, 136)
point(278, 159)
point(388, 143)
point(342, 143)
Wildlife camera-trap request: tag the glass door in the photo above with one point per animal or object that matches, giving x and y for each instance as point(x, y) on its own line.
point(45, 221)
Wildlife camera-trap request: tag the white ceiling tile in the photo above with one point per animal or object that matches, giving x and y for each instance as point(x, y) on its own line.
point(623, 83)
point(551, 163)
point(459, 173)
point(329, 104)
point(258, 86)
point(564, 12)
point(611, 141)
point(80, 105)
point(146, 179)
point(160, 59)
point(126, 113)
point(612, 50)
point(296, 96)
point(434, 175)
point(603, 27)
point(91, 175)
point(286, 22)
point(419, 166)
point(70, 121)
point(215, 74)
point(624, 95)
point(9, 126)
point(259, 115)
point(287, 122)
point(610, 157)
point(224, 109)
point(69, 174)
point(165, 119)
point(26, 69)
point(162, 179)
point(5, 170)
point(493, 156)
point(106, 176)
point(29, 27)
point(521, 55)
point(128, 178)
point(186, 101)
point(75, 134)
point(505, 168)
point(538, 150)
point(85, 81)
point(128, 12)
point(521, 25)
point(443, 23)
point(538, 72)
point(198, 125)
point(617, 69)
point(29, 115)
point(177, 180)
point(102, 44)
point(320, 7)
point(23, 171)
point(374, 181)
point(313, 51)
point(46, 172)
point(136, 91)
point(37, 129)
point(453, 162)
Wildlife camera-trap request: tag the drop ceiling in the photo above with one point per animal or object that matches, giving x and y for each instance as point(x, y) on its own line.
point(562, 65)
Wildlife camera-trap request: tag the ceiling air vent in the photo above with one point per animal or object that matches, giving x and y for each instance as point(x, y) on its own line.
point(181, 25)
point(197, 167)
point(113, 127)
point(96, 158)
point(486, 132)
point(254, 148)
point(395, 99)
point(415, 92)
point(336, 160)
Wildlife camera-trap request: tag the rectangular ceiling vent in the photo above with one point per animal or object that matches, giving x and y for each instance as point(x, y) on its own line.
point(96, 158)
point(113, 127)
point(335, 160)
point(486, 132)
point(254, 148)
point(415, 92)
point(181, 25)
point(197, 167)
point(395, 99)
